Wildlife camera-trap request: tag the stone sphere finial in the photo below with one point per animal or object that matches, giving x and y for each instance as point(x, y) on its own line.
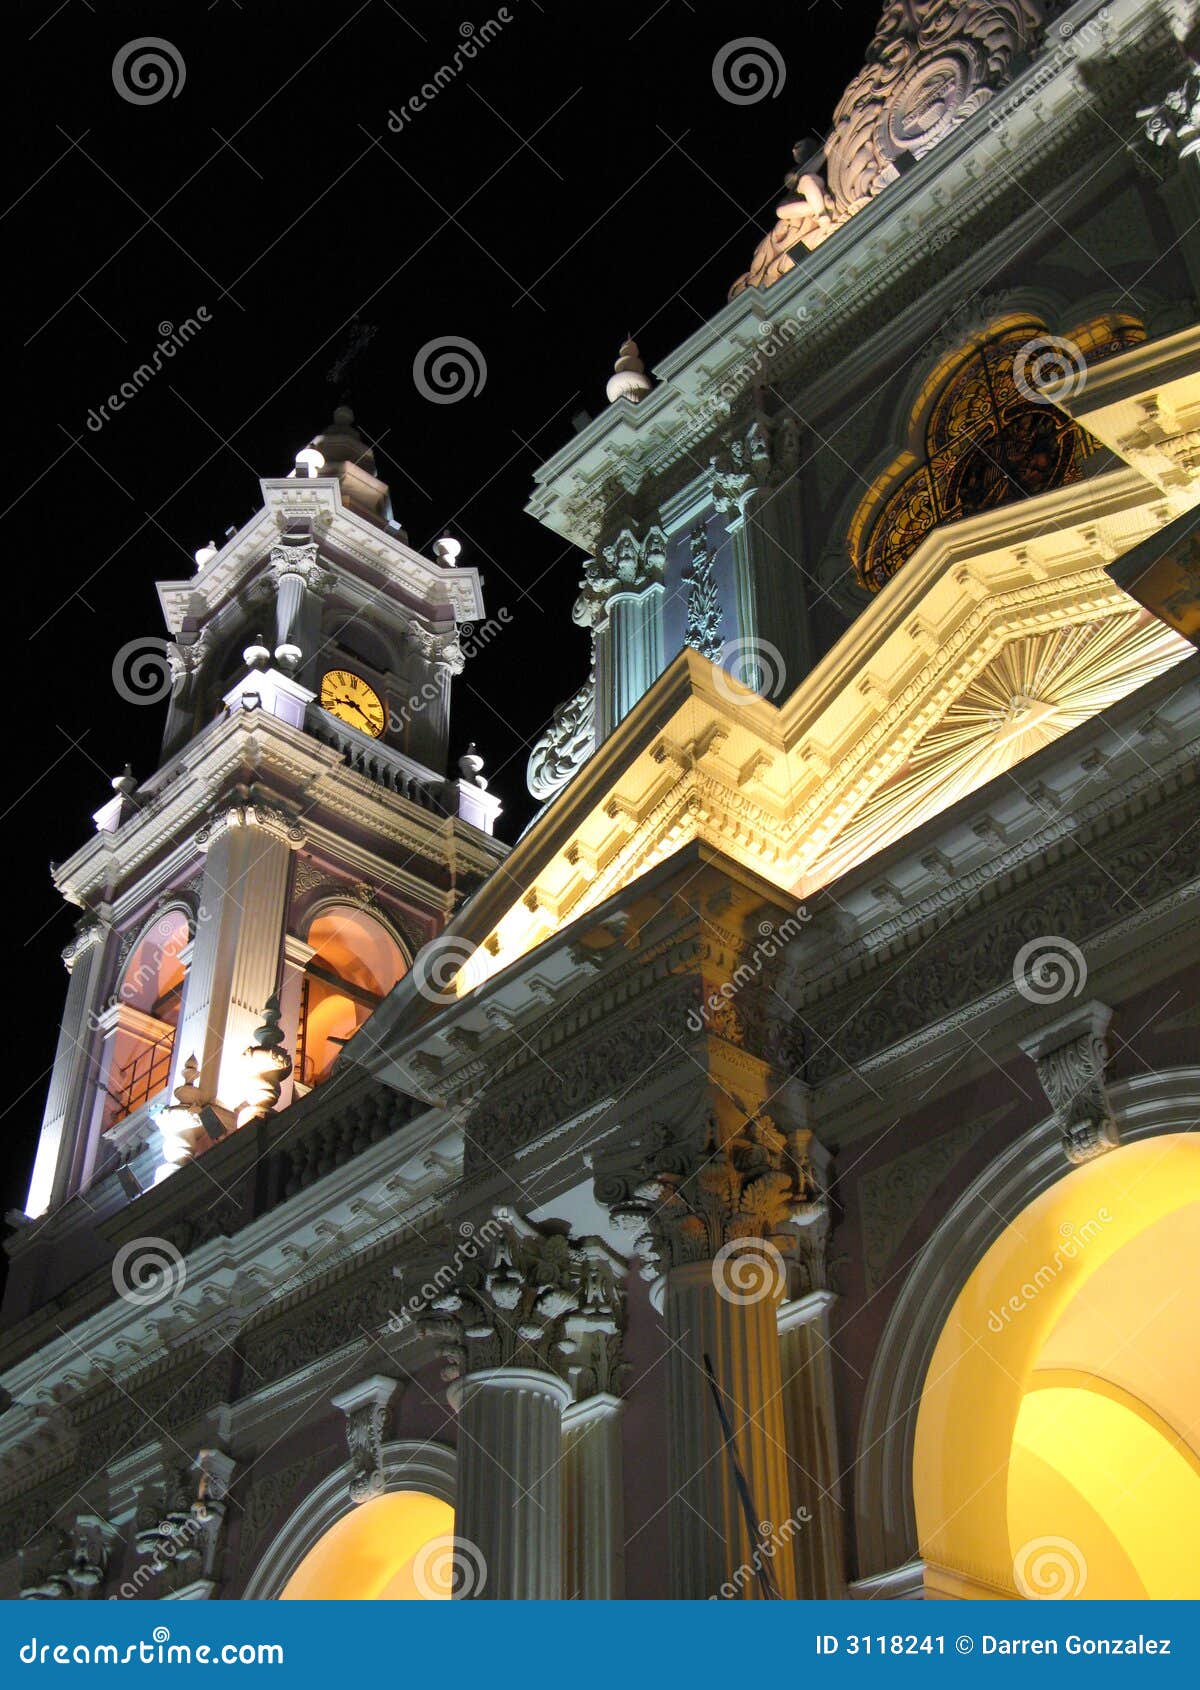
point(446, 551)
point(469, 765)
point(257, 654)
point(629, 379)
point(125, 783)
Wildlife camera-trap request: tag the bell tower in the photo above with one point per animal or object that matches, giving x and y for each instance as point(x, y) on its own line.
point(301, 839)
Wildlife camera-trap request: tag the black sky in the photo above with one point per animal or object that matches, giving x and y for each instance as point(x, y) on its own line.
point(580, 179)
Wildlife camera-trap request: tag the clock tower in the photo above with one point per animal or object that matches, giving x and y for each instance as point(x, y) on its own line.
point(299, 842)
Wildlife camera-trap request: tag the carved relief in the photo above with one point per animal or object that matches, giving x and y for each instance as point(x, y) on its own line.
point(1070, 1058)
point(566, 744)
point(703, 620)
point(625, 565)
point(366, 1407)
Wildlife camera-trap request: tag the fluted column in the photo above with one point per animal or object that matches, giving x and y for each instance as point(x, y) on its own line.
point(509, 1497)
point(636, 645)
point(594, 1542)
point(522, 1331)
point(809, 1414)
point(717, 1212)
point(57, 1167)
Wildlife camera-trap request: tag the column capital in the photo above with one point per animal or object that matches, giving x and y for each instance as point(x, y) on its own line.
point(699, 1198)
point(537, 1300)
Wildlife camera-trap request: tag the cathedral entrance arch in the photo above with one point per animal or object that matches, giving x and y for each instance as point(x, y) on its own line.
point(1057, 1448)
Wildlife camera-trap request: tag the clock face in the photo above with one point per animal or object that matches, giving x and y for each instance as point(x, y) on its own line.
point(351, 700)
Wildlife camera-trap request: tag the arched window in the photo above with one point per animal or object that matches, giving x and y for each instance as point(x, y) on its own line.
point(398, 1547)
point(981, 436)
point(145, 1013)
point(354, 965)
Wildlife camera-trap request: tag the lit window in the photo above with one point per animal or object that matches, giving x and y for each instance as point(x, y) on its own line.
point(146, 1015)
point(355, 964)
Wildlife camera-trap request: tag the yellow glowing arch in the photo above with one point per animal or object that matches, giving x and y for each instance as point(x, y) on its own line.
point(1058, 1438)
point(394, 1547)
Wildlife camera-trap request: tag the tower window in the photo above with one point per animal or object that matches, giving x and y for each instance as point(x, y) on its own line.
point(146, 1008)
point(355, 964)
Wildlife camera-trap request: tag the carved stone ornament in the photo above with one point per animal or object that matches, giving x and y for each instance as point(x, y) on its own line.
point(443, 651)
point(742, 464)
point(75, 1564)
point(1175, 122)
point(179, 1529)
point(686, 1196)
point(931, 65)
point(1070, 1058)
point(566, 744)
point(298, 557)
point(537, 1299)
point(625, 565)
point(268, 1064)
point(703, 621)
point(366, 1407)
point(250, 812)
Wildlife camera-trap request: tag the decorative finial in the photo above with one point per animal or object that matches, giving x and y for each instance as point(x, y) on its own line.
point(310, 461)
point(446, 551)
point(269, 1065)
point(125, 783)
point(257, 654)
point(206, 554)
point(469, 765)
point(629, 379)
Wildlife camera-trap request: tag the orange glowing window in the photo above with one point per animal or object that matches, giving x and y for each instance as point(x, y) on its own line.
point(354, 965)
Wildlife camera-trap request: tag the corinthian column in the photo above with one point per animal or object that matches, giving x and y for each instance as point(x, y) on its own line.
point(511, 1332)
point(715, 1215)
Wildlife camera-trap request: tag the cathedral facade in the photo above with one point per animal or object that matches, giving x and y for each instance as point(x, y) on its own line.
point(775, 1176)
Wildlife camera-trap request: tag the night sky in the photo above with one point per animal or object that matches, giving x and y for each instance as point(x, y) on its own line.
point(580, 179)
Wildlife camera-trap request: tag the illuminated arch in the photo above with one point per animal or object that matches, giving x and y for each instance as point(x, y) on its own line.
point(329, 1548)
point(145, 1014)
point(355, 962)
point(1147, 1108)
point(979, 437)
point(1069, 1343)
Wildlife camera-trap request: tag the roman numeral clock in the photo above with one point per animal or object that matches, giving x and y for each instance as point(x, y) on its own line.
point(353, 701)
